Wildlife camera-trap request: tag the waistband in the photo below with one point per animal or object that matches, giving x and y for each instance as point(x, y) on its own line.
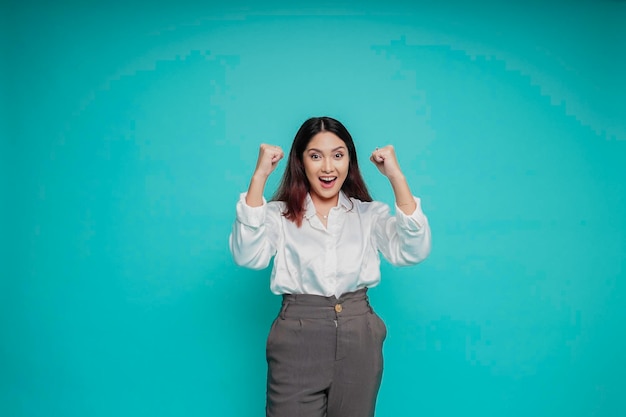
point(354, 303)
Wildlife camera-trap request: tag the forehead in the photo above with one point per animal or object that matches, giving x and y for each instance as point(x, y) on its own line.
point(325, 141)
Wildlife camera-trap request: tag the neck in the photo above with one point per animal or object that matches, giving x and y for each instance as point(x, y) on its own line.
point(323, 206)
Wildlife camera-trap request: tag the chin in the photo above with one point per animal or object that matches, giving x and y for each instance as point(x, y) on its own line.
point(326, 194)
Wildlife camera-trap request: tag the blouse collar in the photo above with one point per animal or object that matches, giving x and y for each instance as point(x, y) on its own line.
point(309, 207)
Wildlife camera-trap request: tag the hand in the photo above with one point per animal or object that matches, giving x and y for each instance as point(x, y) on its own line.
point(269, 155)
point(386, 161)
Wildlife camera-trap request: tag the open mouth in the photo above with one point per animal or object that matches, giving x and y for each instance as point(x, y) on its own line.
point(328, 182)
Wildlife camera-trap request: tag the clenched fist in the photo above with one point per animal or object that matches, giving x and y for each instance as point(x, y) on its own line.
point(386, 161)
point(269, 155)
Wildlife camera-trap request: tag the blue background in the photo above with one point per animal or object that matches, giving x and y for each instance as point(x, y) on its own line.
point(129, 130)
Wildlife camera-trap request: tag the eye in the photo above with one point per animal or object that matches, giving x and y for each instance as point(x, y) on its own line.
point(315, 156)
point(338, 155)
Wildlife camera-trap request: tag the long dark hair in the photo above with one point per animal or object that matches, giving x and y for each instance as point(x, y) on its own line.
point(294, 184)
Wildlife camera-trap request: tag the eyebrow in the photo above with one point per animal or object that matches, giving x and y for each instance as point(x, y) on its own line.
point(333, 150)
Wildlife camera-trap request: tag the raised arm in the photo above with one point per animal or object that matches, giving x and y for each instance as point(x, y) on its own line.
point(269, 155)
point(404, 239)
point(250, 241)
point(387, 163)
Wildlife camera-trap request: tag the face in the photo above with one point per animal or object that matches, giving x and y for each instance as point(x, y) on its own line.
point(326, 163)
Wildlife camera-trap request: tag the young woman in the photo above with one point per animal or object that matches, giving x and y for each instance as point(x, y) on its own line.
point(325, 233)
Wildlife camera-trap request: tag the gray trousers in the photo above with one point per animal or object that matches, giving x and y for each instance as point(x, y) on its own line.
point(324, 357)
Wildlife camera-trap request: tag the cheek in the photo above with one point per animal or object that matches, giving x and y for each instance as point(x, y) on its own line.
point(346, 168)
point(343, 176)
point(307, 169)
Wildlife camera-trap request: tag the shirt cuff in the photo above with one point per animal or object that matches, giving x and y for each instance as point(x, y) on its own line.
point(250, 216)
point(414, 221)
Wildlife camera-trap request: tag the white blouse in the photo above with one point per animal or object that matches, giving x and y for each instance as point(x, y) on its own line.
point(332, 260)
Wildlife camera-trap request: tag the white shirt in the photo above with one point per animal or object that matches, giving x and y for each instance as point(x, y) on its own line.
point(332, 260)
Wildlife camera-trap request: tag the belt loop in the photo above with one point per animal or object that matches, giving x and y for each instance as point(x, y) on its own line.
point(284, 309)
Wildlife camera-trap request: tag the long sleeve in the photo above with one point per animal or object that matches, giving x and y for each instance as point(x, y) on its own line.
point(252, 237)
point(402, 239)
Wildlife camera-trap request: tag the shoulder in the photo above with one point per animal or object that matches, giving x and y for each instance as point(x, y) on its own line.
point(275, 206)
point(276, 211)
point(368, 207)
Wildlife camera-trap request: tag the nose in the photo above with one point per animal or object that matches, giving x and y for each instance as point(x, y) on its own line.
point(327, 165)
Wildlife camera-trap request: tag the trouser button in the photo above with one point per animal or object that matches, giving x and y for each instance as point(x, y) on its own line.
point(338, 308)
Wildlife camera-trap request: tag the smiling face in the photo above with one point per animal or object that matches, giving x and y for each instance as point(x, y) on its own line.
point(326, 164)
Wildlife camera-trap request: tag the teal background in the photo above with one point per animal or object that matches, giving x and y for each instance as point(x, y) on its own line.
point(129, 130)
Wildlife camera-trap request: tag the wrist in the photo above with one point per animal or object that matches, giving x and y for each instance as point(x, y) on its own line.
point(397, 178)
point(260, 177)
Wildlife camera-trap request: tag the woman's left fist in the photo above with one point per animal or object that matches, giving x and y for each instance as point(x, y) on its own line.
point(386, 161)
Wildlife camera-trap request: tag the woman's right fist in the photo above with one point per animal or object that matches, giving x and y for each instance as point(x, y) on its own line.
point(269, 155)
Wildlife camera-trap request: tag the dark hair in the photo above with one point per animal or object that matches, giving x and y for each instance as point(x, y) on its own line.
point(294, 184)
